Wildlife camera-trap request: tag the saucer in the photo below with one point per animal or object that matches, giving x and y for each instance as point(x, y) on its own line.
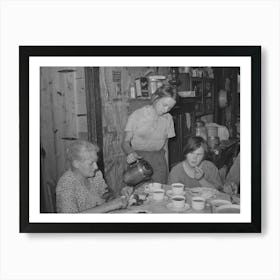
point(147, 191)
point(219, 202)
point(150, 198)
point(141, 211)
point(170, 193)
point(205, 192)
point(171, 207)
point(228, 208)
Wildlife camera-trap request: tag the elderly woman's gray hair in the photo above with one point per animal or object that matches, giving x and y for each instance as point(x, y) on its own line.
point(78, 147)
point(163, 91)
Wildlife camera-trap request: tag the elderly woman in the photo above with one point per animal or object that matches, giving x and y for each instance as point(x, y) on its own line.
point(147, 132)
point(81, 189)
point(194, 171)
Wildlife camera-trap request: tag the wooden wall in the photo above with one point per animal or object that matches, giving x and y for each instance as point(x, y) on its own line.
point(62, 120)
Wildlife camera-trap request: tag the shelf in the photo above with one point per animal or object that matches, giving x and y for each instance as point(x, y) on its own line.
point(200, 114)
point(188, 99)
point(138, 99)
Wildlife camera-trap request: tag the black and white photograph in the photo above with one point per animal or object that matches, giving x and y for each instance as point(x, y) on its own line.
point(140, 139)
point(137, 138)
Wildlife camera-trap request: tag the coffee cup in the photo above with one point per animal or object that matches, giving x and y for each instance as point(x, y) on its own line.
point(156, 186)
point(177, 188)
point(198, 203)
point(178, 201)
point(158, 194)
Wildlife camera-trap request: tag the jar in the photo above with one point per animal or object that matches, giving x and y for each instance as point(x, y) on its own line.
point(212, 131)
point(200, 129)
point(156, 82)
point(213, 142)
point(132, 91)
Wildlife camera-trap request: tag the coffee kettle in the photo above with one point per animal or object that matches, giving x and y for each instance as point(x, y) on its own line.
point(138, 172)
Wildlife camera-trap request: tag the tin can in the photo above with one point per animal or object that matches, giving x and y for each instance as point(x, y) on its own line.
point(212, 131)
point(213, 142)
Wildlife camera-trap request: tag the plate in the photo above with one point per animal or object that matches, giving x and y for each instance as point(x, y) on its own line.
point(228, 209)
point(141, 212)
point(150, 198)
point(170, 207)
point(219, 202)
point(170, 193)
point(204, 192)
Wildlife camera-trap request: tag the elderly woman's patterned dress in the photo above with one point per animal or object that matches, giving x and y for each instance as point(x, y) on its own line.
point(74, 197)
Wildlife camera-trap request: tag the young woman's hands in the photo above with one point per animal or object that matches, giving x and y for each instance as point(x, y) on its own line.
point(230, 188)
point(132, 157)
point(119, 202)
point(198, 173)
point(127, 191)
point(108, 196)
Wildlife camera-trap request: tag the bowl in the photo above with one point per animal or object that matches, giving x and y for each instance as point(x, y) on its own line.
point(219, 202)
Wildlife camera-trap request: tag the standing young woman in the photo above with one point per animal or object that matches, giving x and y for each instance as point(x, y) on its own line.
point(194, 171)
point(147, 132)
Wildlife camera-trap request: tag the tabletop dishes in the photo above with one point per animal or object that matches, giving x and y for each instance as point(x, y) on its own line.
point(159, 198)
point(198, 203)
point(158, 195)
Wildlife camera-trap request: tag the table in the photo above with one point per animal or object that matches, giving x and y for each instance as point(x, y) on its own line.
point(151, 206)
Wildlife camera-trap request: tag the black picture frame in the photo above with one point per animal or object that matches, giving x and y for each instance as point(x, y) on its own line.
point(254, 52)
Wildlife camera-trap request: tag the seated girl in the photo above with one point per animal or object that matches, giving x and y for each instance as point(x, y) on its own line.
point(82, 188)
point(194, 171)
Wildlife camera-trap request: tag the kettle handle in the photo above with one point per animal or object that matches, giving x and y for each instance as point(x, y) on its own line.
point(137, 160)
point(134, 162)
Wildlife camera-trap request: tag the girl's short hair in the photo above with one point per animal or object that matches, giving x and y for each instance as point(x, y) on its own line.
point(194, 143)
point(163, 91)
point(77, 147)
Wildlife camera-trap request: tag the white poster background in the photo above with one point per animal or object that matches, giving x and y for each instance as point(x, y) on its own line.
point(245, 131)
point(139, 256)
